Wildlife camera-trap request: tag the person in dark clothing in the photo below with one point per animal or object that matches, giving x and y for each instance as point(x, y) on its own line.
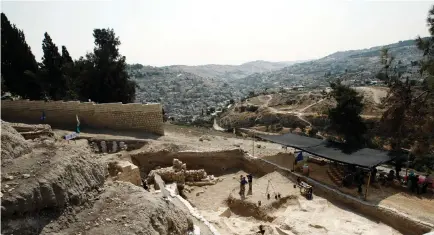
point(416, 184)
point(145, 185)
point(359, 182)
point(373, 174)
point(398, 167)
point(414, 179)
point(250, 179)
point(243, 183)
point(43, 116)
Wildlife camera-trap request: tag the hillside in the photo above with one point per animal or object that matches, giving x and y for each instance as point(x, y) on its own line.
point(232, 72)
point(186, 90)
point(182, 94)
point(357, 66)
point(290, 108)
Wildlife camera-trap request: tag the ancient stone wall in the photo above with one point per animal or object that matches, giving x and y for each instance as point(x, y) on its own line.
point(116, 116)
point(214, 163)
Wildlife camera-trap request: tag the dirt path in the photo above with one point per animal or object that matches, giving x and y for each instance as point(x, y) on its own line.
point(375, 93)
point(216, 126)
point(299, 114)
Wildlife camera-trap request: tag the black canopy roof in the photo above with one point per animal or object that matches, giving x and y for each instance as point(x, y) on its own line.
point(363, 157)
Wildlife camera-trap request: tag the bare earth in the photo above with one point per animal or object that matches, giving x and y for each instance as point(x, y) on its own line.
point(122, 208)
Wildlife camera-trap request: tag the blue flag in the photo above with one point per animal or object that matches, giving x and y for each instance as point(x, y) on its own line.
point(299, 157)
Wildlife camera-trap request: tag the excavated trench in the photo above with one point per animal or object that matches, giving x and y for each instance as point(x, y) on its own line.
point(220, 163)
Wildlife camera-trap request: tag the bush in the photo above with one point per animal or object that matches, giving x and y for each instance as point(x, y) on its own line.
point(312, 132)
point(252, 108)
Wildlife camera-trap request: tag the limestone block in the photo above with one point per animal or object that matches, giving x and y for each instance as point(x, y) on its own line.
point(103, 146)
point(114, 147)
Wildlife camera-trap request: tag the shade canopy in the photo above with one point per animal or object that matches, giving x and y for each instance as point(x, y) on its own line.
point(363, 157)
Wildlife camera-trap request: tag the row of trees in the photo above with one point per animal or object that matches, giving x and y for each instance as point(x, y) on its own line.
point(409, 118)
point(100, 75)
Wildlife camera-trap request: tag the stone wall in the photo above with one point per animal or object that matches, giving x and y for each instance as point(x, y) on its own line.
point(115, 116)
point(214, 163)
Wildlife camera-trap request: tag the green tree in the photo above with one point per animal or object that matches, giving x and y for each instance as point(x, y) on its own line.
point(18, 64)
point(51, 70)
point(108, 80)
point(66, 58)
point(345, 118)
point(71, 77)
point(409, 118)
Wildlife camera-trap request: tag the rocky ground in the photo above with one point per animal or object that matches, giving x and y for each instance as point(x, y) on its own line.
point(296, 216)
point(53, 186)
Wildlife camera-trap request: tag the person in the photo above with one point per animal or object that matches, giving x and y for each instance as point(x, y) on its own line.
point(298, 180)
point(43, 116)
point(78, 124)
point(414, 179)
point(373, 174)
point(359, 182)
point(241, 179)
point(250, 179)
point(398, 168)
point(416, 184)
point(306, 169)
point(145, 186)
point(309, 194)
point(243, 187)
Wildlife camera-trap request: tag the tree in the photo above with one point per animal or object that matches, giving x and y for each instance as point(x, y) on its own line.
point(409, 118)
point(51, 70)
point(345, 117)
point(108, 80)
point(66, 58)
point(19, 66)
point(71, 77)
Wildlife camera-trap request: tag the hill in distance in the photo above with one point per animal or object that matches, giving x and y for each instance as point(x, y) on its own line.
point(233, 72)
point(186, 90)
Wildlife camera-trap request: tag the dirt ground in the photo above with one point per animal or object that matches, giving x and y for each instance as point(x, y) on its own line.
point(297, 216)
point(105, 206)
point(62, 187)
point(419, 206)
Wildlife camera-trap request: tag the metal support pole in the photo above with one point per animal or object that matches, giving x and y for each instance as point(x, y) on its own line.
point(367, 185)
point(408, 164)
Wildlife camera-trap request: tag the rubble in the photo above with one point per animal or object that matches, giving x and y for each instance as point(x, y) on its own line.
point(178, 173)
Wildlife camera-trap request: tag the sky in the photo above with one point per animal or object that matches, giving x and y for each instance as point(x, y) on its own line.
point(195, 32)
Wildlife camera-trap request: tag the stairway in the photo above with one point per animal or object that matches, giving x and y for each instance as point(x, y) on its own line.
point(336, 174)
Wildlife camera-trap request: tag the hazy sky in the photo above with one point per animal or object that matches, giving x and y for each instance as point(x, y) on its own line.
point(164, 32)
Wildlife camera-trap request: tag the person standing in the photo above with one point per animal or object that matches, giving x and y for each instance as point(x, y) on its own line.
point(243, 187)
point(78, 124)
point(360, 182)
point(43, 116)
point(250, 179)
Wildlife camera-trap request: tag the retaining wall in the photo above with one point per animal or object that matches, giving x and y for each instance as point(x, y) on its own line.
point(116, 116)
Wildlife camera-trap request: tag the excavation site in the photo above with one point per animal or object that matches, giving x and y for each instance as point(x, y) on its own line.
point(185, 182)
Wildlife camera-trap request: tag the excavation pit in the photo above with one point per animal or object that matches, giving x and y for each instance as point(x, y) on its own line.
point(221, 204)
point(269, 193)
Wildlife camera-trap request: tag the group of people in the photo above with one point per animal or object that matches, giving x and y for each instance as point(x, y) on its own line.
point(243, 183)
point(417, 183)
